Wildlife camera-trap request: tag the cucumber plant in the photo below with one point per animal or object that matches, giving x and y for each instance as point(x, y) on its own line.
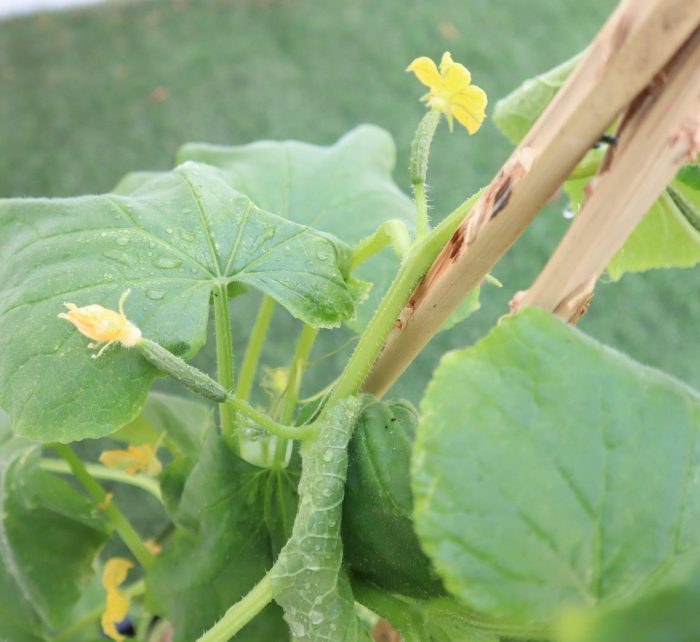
point(548, 487)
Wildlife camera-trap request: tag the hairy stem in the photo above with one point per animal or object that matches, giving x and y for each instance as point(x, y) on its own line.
point(240, 613)
point(281, 430)
point(252, 354)
point(416, 264)
point(291, 397)
point(418, 166)
point(118, 520)
point(224, 364)
point(393, 231)
point(97, 471)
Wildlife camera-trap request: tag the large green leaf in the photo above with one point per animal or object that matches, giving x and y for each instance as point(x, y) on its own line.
point(49, 535)
point(181, 425)
point(517, 112)
point(561, 472)
point(220, 550)
point(665, 615)
point(437, 620)
point(345, 189)
point(308, 579)
point(171, 240)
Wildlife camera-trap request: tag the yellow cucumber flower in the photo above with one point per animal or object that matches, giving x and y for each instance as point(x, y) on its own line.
point(117, 603)
point(451, 91)
point(133, 460)
point(102, 325)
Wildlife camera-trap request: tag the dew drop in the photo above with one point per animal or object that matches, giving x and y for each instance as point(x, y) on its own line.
point(328, 455)
point(120, 257)
point(169, 230)
point(186, 236)
point(568, 213)
point(269, 233)
point(155, 295)
point(167, 262)
point(316, 616)
point(298, 629)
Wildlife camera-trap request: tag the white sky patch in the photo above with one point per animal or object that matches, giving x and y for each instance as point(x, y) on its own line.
point(12, 8)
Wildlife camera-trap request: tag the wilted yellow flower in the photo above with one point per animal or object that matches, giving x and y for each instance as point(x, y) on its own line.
point(133, 460)
point(102, 325)
point(451, 91)
point(117, 603)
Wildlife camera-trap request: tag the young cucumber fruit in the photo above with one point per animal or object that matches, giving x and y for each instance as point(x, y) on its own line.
point(380, 544)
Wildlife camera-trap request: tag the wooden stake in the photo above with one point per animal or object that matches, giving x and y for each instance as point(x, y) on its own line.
point(635, 43)
point(661, 134)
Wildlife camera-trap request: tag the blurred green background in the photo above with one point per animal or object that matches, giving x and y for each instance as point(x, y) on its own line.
point(89, 95)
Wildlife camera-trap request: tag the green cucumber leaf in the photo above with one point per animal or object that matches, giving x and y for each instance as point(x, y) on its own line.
point(561, 474)
point(220, 550)
point(690, 175)
point(515, 114)
point(344, 189)
point(170, 241)
point(181, 423)
point(665, 615)
point(436, 620)
point(49, 536)
point(281, 500)
point(667, 237)
point(308, 580)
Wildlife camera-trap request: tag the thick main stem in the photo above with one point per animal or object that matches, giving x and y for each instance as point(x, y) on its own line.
point(121, 524)
point(224, 363)
point(416, 263)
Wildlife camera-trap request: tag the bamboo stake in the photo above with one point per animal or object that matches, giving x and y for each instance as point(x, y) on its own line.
point(661, 134)
point(634, 44)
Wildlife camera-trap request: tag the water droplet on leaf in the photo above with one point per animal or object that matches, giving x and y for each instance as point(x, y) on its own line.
point(167, 262)
point(155, 295)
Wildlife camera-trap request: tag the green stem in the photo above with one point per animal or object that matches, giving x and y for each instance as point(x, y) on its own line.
point(203, 384)
point(291, 397)
point(393, 231)
point(224, 364)
point(255, 344)
point(418, 167)
point(416, 264)
point(118, 520)
point(69, 633)
point(102, 472)
point(240, 613)
point(422, 225)
point(281, 430)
